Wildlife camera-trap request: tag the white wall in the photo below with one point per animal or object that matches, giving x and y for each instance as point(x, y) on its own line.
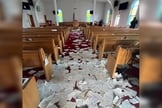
point(106, 8)
point(99, 11)
point(36, 16)
point(25, 19)
point(40, 14)
point(81, 7)
point(123, 14)
point(48, 9)
point(67, 7)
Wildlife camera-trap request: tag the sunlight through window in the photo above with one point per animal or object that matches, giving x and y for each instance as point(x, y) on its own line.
point(133, 11)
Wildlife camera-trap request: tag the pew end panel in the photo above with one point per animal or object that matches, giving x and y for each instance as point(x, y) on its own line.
point(38, 58)
point(11, 73)
point(121, 57)
point(31, 97)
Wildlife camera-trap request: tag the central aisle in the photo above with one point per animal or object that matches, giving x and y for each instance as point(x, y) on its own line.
point(79, 79)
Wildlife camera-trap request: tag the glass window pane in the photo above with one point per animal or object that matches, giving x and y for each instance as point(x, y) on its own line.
point(60, 15)
point(88, 16)
point(133, 11)
point(117, 19)
point(108, 16)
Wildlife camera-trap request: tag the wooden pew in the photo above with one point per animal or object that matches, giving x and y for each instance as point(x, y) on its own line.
point(95, 33)
point(97, 29)
point(64, 31)
point(108, 37)
point(47, 44)
point(67, 24)
point(57, 35)
point(70, 24)
point(46, 29)
point(150, 69)
point(11, 72)
point(38, 58)
point(110, 45)
point(10, 42)
point(31, 97)
point(42, 37)
point(121, 57)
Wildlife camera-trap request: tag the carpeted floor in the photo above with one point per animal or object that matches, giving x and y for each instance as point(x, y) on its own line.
point(81, 81)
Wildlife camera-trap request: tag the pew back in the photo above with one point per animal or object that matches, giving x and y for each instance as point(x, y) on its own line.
point(48, 46)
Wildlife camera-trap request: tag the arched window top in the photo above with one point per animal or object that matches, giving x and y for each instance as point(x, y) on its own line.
point(133, 11)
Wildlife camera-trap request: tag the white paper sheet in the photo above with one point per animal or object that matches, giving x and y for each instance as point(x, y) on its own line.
point(126, 104)
point(46, 61)
point(32, 72)
point(133, 101)
point(53, 29)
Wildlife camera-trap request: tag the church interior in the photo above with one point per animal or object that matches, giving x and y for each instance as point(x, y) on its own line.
point(80, 53)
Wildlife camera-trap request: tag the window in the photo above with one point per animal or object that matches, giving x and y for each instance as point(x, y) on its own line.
point(117, 19)
point(60, 16)
point(133, 11)
point(108, 17)
point(88, 16)
point(159, 11)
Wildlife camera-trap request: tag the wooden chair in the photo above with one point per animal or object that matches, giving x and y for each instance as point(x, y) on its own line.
point(38, 58)
point(122, 56)
point(31, 97)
